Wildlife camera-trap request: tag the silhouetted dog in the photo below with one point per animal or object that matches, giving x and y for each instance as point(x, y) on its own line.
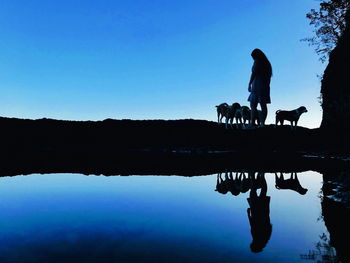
point(292, 116)
point(292, 183)
point(231, 113)
point(221, 110)
point(243, 113)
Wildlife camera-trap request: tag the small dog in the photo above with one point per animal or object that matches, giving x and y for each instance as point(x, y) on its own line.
point(231, 113)
point(222, 110)
point(292, 116)
point(243, 113)
point(227, 111)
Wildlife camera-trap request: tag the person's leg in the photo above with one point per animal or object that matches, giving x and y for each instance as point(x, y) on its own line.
point(253, 112)
point(264, 113)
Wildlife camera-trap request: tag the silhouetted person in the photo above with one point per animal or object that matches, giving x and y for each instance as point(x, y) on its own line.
point(222, 184)
point(259, 85)
point(259, 215)
point(292, 183)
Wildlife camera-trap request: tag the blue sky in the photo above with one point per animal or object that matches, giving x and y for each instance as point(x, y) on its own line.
point(152, 59)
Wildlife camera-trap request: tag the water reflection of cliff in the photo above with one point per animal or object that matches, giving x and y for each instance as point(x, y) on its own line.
point(336, 211)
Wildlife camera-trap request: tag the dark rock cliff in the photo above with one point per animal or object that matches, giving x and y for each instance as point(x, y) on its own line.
point(335, 89)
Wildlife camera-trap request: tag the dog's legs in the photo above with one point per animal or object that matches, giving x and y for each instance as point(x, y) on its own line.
point(226, 123)
point(231, 121)
point(231, 176)
point(226, 175)
point(218, 117)
point(296, 177)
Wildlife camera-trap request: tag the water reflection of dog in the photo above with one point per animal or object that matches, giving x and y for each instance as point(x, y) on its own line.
point(234, 184)
point(259, 213)
point(246, 182)
point(222, 184)
point(292, 183)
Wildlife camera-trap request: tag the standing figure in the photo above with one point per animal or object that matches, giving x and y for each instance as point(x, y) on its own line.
point(259, 86)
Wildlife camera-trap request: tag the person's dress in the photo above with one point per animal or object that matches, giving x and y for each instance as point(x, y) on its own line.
point(260, 87)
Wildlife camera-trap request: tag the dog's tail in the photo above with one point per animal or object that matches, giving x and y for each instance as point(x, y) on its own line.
point(278, 111)
point(221, 104)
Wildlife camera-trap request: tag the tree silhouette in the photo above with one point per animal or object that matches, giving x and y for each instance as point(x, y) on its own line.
point(329, 23)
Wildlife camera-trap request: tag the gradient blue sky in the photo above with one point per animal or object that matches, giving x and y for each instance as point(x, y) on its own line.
point(151, 59)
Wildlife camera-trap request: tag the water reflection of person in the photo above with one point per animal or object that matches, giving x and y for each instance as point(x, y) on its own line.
point(259, 213)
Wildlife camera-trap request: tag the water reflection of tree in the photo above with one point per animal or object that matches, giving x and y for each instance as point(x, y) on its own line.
point(323, 252)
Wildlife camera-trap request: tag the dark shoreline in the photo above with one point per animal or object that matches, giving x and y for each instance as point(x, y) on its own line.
point(182, 147)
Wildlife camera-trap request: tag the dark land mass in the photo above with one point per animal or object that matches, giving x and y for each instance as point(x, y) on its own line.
point(185, 147)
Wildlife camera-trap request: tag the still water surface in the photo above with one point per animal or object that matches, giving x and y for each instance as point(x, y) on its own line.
point(73, 217)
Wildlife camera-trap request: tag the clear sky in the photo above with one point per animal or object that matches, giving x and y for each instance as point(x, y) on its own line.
point(152, 59)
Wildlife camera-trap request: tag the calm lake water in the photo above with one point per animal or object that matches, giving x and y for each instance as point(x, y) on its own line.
point(73, 217)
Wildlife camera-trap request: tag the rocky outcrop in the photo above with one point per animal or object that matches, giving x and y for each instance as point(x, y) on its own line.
point(335, 90)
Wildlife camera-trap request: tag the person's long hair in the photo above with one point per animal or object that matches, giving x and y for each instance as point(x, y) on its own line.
point(265, 64)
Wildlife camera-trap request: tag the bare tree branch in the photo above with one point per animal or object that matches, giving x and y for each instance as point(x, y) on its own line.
point(329, 24)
